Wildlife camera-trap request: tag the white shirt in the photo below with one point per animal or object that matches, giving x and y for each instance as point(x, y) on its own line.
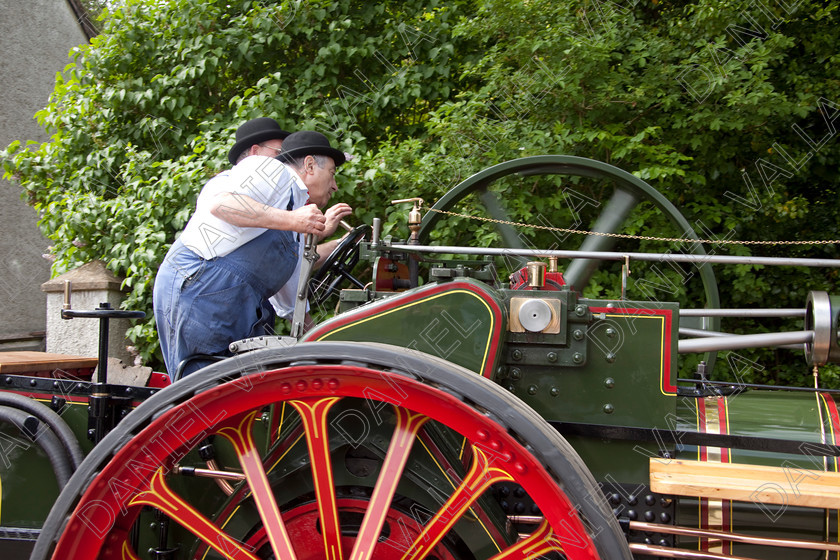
point(265, 180)
point(261, 178)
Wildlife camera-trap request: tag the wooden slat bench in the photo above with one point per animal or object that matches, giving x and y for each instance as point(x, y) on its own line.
point(749, 483)
point(43, 364)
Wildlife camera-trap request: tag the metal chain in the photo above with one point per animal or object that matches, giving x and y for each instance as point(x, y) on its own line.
point(629, 236)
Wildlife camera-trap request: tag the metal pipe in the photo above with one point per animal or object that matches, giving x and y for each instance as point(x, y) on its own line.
point(700, 333)
point(613, 256)
point(737, 342)
point(377, 230)
point(665, 552)
point(734, 537)
point(526, 519)
point(742, 312)
point(207, 473)
point(701, 533)
point(221, 482)
point(741, 386)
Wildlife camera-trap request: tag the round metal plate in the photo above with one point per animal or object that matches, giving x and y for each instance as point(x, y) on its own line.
point(535, 315)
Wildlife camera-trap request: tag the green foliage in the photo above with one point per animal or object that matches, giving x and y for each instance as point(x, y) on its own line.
point(725, 107)
point(145, 114)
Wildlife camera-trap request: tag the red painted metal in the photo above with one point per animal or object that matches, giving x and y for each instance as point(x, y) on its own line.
point(136, 475)
point(400, 530)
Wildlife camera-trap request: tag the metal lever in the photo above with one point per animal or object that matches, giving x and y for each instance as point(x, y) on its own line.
point(310, 257)
point(101, 412)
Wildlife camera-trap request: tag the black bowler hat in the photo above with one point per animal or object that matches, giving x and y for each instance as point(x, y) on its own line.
point(254, 132)
point(308, 143)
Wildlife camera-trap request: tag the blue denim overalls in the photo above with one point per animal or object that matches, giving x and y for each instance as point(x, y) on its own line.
point(201, 306)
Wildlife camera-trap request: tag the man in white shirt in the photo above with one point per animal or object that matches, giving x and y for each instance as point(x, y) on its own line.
point(239, 256)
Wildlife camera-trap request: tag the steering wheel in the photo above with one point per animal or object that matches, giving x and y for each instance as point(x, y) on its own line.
point(337, 267)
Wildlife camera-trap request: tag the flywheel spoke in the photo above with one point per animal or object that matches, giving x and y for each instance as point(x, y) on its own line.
point(249, 457)
point(540, 542)
point(160, 496)
point(408, 424)
point(479, 478)
point(313, 414)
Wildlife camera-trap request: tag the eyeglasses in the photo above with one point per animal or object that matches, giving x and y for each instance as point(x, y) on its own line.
point(278, 150)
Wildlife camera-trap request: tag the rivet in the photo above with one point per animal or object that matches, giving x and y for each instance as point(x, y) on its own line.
point(608, 408)
point(333, 383)
point(516, 354)
point(317, 384)
point(554, 391)
point(301, 385)
point(577, 358)
point(609, 382)
point(610, 357)
point(515, 373)
point(610, 332)
point(551, 356)
point(532, 390)
point(577, 334)
point(286, 388)
point(580, 310)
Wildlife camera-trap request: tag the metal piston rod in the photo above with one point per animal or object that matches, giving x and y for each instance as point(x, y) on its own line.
point(739, 341)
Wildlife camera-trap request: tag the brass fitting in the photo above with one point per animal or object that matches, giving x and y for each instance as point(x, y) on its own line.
point(415, 217)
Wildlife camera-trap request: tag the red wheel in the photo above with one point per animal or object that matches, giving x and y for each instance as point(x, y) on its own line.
point(303, 494)
point(400, 530)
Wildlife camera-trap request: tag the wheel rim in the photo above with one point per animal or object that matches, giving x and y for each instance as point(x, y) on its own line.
point(137, 475)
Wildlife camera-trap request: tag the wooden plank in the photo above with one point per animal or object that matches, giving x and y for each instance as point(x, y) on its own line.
point(788, 486)
point(28, 362)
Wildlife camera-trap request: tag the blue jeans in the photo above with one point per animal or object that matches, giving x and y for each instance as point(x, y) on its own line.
point(201, 306)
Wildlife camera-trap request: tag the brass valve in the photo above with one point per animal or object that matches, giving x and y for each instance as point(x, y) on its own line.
point(415, 217)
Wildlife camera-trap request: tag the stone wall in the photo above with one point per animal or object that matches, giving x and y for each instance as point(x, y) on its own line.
point(37, 37)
